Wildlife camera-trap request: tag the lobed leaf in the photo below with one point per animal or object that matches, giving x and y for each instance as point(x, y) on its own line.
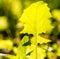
point(36, 18)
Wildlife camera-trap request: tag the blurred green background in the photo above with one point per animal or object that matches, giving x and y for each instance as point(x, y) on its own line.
point(11, 11)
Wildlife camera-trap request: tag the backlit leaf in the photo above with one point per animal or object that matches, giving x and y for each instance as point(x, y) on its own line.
point(36, 18)
point(22, 49)
point(40, 40)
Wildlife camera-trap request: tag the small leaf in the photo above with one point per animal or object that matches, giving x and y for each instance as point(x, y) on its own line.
point(22, 49)
point(56, 14)
point(40, 40)
point(6, 44)
point(40, 53)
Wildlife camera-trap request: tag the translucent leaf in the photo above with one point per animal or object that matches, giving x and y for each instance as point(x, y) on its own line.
point(22, 49)
point(40, 53)
point(30, 49)
point(36, 18)
point(40, 40)
point(36, 21)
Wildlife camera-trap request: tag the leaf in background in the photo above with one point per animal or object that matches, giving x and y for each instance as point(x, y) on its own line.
point(6, 44)
point(22, 49)
point(36, 18)
point(11, 57)
point(56, 14)
point(3, 23)
point(58, 52)
point(14, 6)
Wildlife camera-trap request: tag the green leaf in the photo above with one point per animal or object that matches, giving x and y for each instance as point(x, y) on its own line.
point(22, 49)
point(56, 14)
point(6, 44)
point(14, 6)
point(36, 18)
point(3, 23)
point(12, 57)
point(40, 40)
point(40, 52)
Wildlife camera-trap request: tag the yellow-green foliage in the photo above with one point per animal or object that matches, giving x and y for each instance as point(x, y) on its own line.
point(14, 6)
point(3, 23)
point(36, 20)
point(6, 44)
point(56, 14)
